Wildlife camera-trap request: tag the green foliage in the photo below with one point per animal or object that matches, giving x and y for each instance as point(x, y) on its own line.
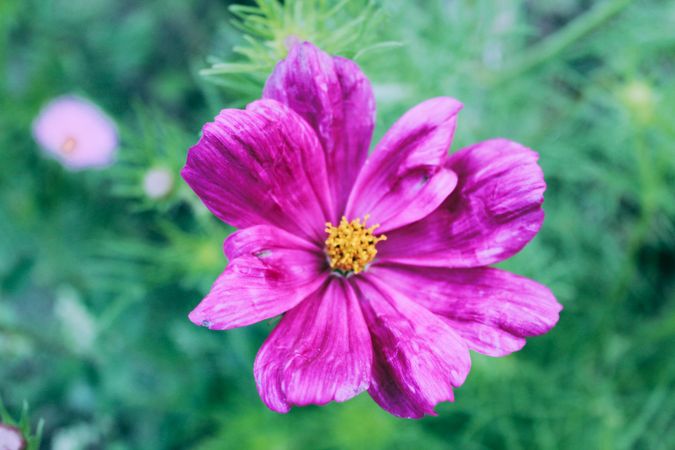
point(97, 276)
point(270, 28)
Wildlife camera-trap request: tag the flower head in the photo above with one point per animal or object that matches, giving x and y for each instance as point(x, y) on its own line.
point(394, 307)
point(76, 132)
point(11, 438)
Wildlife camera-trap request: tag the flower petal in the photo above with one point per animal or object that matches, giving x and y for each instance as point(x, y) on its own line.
point(334, 96)
point(319, 352)
point(263, 165)
point(492, 214)
point(493, 310)
point(404, 179)
point(418, 358)
point(271, 271)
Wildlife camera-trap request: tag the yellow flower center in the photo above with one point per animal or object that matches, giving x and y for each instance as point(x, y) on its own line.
point(350, 245)
point(68, 145)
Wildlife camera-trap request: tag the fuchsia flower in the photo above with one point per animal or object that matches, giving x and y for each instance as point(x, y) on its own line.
point(392, 308)
point(76, 132)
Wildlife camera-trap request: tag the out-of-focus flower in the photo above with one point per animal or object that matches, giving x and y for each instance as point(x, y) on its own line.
point(157, 182)
point(77, 133)
point(391, 308)
point(11, 438)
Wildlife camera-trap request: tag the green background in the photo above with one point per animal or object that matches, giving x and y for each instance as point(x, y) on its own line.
point(97, 279)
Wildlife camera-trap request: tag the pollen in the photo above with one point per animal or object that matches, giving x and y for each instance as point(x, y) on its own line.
point(350, 246)
point(68, 145)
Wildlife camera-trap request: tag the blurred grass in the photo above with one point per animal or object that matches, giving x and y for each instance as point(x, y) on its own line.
point(587, 84)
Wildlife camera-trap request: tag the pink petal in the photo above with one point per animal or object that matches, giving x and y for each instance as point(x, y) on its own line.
point(270, 272)
point(493, 310)
point(492, 214)
point(261, 166)
point(336, 99)
point(418, 358)
point(404, 179)
point(319, 352)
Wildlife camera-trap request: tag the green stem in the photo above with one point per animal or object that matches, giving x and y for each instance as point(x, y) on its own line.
point(559, 41)
point(649, 180)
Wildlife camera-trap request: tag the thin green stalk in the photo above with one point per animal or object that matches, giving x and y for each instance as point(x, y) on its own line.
point(562, 39)
point(649, 185)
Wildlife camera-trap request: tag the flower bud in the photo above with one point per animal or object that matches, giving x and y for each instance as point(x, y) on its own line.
point(11, 438)
point(640, 99)
point(157, 182)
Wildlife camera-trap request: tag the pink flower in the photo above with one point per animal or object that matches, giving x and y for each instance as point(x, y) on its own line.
point(392, 308)
point(10, 438)
point(76, 132)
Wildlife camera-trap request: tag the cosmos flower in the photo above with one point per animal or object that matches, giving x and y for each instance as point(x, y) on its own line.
point(76, 132)
point(378, 263)
point(11, 438)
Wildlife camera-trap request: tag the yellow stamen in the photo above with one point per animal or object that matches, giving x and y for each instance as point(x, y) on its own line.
point(350, 245)
point(68, 146)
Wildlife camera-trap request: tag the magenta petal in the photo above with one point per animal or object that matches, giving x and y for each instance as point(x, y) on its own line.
point(334, 96)
point(404, 179)
point(491, 215)
point(319, 352)
point(418, 358)
point(493, 310)
point(261, 166)
point(270, 273)
point(257, 240)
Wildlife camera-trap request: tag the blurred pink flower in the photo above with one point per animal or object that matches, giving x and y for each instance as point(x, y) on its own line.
point(157, 182)
point(10, 438)
point(76, 132)
point(392, 314)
